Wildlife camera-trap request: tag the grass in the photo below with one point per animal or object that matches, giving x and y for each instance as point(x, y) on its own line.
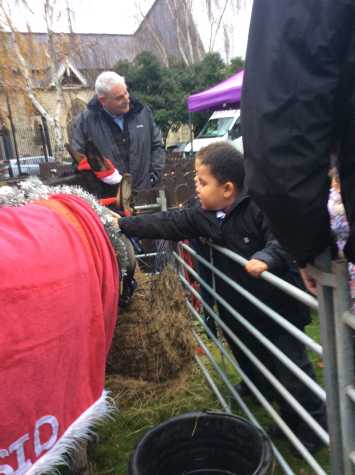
point(143, 407)
point(140, 411)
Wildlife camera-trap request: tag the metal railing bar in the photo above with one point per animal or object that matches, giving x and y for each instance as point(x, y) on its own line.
point(344, 344)
point(213, 386)
point(148, 254)
point(300, 410)
point(244, 408)
point(296, 332)
point(236, 396)
point(325, 278)
point(144, 207)
point(258, 335)
point(290, 289)
point(350, 391)
point(272, 412)
point(220, 346)
point(349, 319)
point(211, 257)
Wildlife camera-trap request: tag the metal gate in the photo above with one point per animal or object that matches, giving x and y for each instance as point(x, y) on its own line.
point(336, 325)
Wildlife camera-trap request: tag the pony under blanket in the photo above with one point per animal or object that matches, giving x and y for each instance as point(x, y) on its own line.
point(58, 307)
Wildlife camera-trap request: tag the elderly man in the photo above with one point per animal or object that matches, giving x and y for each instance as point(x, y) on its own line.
point(123, 130)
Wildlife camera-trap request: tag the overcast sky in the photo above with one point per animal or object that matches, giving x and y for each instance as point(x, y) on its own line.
point(122, 16)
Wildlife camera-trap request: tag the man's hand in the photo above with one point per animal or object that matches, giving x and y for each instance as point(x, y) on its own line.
point(309, 281)
point(255, 267)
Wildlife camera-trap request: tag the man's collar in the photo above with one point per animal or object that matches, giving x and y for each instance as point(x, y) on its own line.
point(121, 116)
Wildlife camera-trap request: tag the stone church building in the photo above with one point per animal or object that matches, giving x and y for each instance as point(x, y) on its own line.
point(167, 31)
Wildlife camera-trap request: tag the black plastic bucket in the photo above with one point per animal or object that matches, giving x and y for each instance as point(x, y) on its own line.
point(203, 443)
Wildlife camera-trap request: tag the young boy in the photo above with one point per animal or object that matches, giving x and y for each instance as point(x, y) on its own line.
point(230, 218)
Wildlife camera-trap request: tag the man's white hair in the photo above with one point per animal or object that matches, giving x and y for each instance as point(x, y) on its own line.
point(106, 80)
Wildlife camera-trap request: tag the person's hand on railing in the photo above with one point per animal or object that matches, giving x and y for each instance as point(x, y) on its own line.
point(255, 267)
point(309, 281)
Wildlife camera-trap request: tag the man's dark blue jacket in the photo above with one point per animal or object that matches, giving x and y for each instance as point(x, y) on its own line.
point(138, 151)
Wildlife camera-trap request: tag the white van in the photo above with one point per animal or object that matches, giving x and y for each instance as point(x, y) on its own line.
point(222, 125)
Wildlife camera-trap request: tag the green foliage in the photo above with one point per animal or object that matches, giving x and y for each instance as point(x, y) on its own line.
point(209, 71)
point(139, 412)
point(166, 89)
point(236, 65)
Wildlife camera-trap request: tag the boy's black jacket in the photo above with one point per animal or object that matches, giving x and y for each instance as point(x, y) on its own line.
point(245, 231)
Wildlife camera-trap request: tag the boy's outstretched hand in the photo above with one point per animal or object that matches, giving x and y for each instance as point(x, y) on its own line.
point(255, 267)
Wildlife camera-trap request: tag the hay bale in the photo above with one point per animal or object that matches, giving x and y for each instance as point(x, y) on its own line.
point(153, 340)
point(130, 392)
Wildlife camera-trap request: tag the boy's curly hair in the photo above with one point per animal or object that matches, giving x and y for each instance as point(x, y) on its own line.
point(224, 161)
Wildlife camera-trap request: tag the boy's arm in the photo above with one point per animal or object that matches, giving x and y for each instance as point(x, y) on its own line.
point(273, 255)
point(173, 225)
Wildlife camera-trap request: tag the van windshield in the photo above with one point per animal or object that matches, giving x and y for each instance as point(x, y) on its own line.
point(216, 127)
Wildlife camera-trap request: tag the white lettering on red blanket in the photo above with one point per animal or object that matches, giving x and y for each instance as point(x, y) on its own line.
point(40, 445)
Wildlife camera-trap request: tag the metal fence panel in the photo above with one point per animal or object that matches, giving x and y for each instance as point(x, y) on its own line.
point(337, 325)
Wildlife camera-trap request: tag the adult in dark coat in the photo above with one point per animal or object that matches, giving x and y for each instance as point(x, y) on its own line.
point(123, 130)
point(244, 229)
point(298, 104)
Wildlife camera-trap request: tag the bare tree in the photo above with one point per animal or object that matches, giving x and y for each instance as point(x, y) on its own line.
point(18, 54)
point(216, 11)
point(219, 20)
point(227, 44)
point(181, 12)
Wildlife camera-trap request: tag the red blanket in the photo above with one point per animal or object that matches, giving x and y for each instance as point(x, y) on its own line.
point(58, 306)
